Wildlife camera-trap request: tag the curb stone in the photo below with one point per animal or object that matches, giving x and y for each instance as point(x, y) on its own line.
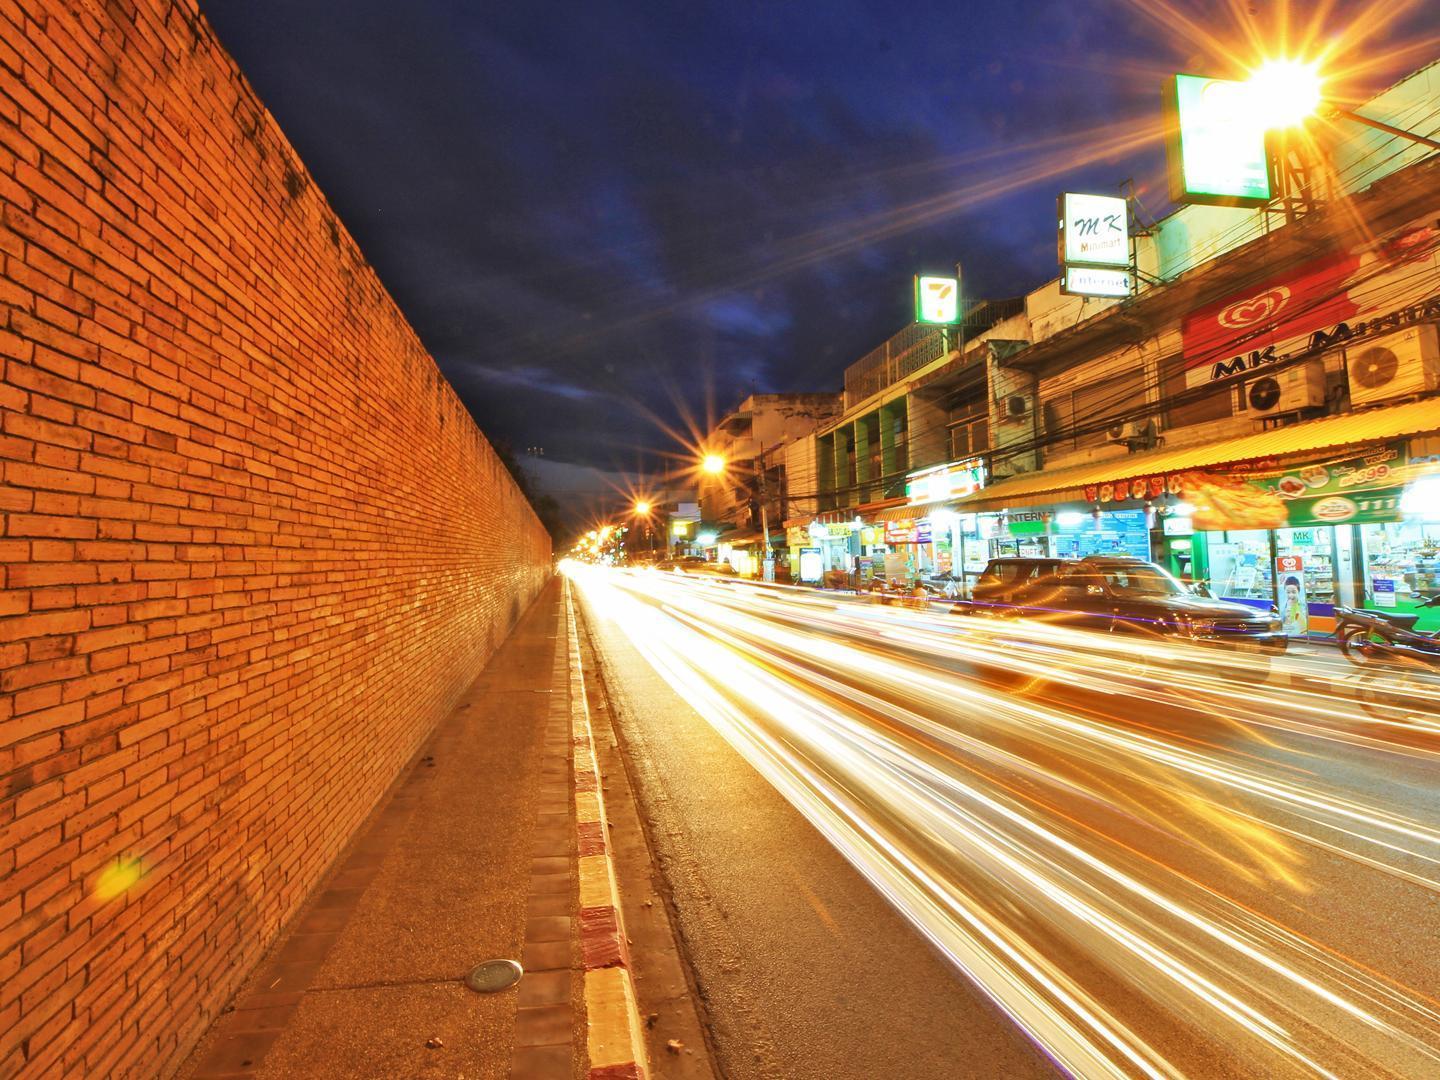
point(615, 1037)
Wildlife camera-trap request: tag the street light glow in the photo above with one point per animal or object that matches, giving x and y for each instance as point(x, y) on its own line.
point(642, 507)
point(713, 464)
point(1283, 93)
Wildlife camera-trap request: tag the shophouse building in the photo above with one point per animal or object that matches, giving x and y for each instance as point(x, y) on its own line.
point(919, 413)
point(1261, 414)
point(748, 498)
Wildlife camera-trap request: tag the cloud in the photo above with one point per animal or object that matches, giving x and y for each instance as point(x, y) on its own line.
point(601, 216)
point(539, 380)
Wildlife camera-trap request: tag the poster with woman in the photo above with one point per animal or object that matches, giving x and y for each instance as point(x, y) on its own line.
point(1294, 606)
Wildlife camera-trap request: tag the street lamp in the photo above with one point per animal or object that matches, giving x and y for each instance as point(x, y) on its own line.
point(1284, 93)
point(715, 464)
point(642, 509)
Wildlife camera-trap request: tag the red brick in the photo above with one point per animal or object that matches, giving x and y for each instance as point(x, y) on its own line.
point(35, 674)
point(50, 525)
point(212, 512)
point(41, 625)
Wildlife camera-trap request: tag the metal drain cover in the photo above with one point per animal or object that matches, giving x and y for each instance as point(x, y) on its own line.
point(493, 976)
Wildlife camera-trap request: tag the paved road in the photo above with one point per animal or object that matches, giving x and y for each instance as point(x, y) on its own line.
point(911, 845)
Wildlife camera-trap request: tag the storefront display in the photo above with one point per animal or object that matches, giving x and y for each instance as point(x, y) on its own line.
point(1402, 567)
point(973, 554)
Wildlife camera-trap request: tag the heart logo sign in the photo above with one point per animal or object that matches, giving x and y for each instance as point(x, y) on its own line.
point(1256, 309)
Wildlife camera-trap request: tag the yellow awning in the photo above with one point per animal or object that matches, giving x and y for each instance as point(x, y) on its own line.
point(1331, 433)
point(909, 512)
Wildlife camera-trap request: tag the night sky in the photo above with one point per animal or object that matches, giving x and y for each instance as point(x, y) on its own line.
point(608, 219)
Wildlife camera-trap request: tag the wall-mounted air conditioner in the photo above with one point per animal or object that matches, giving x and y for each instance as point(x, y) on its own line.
point(1395, 366)
point(1129, 431)
point(1286, 390)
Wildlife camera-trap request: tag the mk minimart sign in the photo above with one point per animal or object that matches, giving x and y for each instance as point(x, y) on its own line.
point(1094, 230)
point(1094, 245)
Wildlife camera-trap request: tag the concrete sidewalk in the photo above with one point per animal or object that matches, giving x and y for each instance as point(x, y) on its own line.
point(471, 858)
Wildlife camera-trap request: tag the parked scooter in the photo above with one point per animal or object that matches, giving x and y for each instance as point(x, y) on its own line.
point(943, 586)
point(1368, 637)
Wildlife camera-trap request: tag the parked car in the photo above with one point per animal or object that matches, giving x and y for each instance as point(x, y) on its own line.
point(1118, 594)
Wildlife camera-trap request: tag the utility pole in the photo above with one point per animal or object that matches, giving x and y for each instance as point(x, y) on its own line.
point(765, 520)
point(764, 516)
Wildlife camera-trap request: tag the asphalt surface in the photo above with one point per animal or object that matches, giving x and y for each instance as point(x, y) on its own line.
point(905, 844)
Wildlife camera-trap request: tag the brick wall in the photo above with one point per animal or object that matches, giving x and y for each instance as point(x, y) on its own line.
point(252, 546)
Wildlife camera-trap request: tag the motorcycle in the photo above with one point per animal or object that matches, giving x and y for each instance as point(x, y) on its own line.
point(1368, 637)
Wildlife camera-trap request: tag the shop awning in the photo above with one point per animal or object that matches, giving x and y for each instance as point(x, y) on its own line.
point(874, 511)
point(912, 511)
point(1331, 433)
point(740, 539)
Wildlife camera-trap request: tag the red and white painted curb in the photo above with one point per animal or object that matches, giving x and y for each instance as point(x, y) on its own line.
point(614, 1036)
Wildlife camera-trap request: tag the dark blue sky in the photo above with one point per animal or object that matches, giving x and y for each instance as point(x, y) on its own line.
point(597, 215)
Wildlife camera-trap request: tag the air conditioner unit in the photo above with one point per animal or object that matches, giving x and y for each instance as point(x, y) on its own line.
point(1127, 431)
point(1397, 365)
point(1285, 391)
point(1017, 407)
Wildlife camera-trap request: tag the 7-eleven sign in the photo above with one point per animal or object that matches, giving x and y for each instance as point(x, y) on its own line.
point(937, 300)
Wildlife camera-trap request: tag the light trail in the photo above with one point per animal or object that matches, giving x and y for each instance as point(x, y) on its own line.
point(1154, 862)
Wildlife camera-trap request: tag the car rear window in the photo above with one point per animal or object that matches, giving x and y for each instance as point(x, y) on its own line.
point(1006, 573)
point(1014, 573)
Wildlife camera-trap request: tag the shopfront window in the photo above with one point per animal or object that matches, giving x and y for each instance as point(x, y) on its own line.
point(1240, 565)
point(1402, 567)
point(1088, 406)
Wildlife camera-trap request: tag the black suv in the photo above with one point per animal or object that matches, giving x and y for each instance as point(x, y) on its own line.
point(1120, 595)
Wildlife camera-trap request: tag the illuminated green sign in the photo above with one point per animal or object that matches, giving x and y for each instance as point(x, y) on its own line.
point(937, 300)
point(1216, 143)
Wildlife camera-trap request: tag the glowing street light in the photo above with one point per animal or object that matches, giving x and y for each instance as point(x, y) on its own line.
point(1283, 93)
point(714, 464)
point(642, 507)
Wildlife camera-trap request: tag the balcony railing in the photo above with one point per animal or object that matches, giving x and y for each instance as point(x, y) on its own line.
point(917, 345)
point(906, 352)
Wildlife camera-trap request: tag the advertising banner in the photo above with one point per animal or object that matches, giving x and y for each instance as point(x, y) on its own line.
point(952, 481)
point(1384, 590)
point(907, 531)
point(811, 564)
point(1368, 290)
point(1294, 605)
point(1362, 489)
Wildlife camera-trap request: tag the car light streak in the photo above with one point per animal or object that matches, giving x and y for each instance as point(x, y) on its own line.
point(1118, 840)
